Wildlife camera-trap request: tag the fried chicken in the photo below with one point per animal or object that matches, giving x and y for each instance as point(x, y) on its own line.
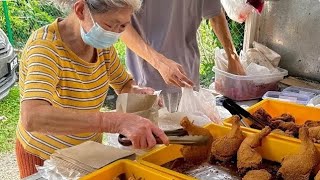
point(317, 176)
point(299, 166)
point(196, 154)
point(257, 174)
point(284, 117)
point(311, 123)
point(247, 156)
point(224, 148)
point(287, 126)
point(283, 133)
point(262, 115)
point(314, 134)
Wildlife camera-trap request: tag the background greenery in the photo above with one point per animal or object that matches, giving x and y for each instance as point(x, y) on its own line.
point(29, 15)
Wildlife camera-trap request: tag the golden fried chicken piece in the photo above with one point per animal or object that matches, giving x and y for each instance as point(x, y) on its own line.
point(299, 166)
point(284, 117)
point(280, 132)
point(196, 154)
point(262, 115)
point(224, 148)
point(314, 134)
point(247, 156)
point(287, 126)
point(257, 174)
point(317, 177)
point(311, 123)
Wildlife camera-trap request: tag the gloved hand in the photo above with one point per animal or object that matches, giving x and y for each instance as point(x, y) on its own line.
point(140, 131)
point(173, 73)
point(234, 65)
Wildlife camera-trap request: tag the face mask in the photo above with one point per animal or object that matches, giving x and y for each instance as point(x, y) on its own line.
point(97, 37)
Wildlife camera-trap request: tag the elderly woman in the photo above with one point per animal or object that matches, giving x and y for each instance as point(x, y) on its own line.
point(65, 73)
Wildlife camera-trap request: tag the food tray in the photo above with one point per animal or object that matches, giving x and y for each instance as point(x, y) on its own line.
point(130, 169)
point(306, 91)
point(272, 149)
point(276, 108)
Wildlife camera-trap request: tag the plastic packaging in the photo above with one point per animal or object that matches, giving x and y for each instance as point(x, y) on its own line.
point(287, 96)
point(309, 92)
point(271, 55)
point(51, 171)
point(237, 10)
point(242, 88)
point(202, 103)
point(315, 101)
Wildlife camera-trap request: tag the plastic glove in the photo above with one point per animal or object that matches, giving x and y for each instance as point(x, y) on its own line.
point(140, 131)
point(173, 73)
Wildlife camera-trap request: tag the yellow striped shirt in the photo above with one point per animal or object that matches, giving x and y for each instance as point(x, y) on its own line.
point(50, 71)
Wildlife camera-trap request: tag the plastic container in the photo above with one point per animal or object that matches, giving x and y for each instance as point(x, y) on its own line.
point(315, 102)
point(288, 96)
point(306, 91)
point(129, 169)
point(272, 149)
point(276, 108)
point(242, 88)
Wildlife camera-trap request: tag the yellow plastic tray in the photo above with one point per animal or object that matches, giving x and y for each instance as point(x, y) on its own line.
point(130, 169)
point(276, 108)
point(272, 149)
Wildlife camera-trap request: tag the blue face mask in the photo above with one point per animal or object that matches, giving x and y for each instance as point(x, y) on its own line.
point(97, 37)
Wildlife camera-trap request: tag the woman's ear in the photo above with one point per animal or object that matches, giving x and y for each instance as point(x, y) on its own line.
point(79, 8)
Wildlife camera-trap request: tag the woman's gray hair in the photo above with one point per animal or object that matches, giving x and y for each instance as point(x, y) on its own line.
point(101, 6)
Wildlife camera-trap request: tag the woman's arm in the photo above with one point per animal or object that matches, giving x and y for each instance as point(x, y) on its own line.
point(39, 116)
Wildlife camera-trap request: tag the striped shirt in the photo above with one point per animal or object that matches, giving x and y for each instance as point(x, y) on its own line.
point(50, 71)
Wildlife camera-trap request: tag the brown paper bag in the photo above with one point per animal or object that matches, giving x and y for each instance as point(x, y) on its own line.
point(92, 154)
point(140, 104)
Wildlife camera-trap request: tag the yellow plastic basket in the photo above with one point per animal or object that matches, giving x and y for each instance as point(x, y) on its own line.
point(272, 149)
point(276, 108)
point(130, 169)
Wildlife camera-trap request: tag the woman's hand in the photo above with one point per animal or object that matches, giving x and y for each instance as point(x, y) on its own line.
point(140, 131)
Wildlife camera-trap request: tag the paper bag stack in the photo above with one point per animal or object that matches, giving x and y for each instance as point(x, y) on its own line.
point(88, 157)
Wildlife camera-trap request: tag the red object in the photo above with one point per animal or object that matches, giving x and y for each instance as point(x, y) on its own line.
point(257, 4)
point(26, 161)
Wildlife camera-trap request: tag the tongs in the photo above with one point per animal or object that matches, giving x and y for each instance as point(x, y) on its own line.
point(235, 109)
point(178, 136)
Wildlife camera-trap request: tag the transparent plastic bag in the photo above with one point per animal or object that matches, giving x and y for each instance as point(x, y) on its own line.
point(51, 171)
point(200, 104)
point(237, 10)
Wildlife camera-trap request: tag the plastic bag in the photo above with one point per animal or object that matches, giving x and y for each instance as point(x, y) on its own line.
point(271, 55)
point(201, 104)
point(51, 171)
point(221, 59)
point(237, 10)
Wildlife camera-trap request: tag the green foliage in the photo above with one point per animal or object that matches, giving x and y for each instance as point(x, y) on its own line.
point(27, 16)
point(121, 51)
point(9, 109)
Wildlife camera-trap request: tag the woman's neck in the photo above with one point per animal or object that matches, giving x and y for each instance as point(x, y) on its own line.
point(70, 34)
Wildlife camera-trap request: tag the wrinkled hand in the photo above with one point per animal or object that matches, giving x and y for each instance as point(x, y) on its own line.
point(140, 131)
point(173, 73)
point(234, 65)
